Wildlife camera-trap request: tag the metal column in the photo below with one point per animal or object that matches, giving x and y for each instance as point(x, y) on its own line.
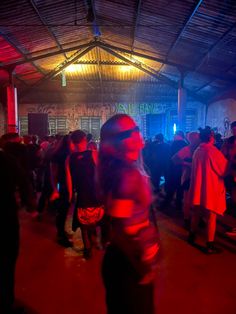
point(182, 100)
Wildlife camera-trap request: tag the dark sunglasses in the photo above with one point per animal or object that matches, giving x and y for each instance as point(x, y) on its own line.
point(125, 134)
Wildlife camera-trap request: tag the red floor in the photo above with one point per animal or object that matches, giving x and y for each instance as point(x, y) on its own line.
point(51, 279)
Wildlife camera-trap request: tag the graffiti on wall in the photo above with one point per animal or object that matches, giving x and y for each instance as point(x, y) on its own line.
point(72, 113)
point(221, 114)
point(142, 109)
point(95, 110)
point(49, 109)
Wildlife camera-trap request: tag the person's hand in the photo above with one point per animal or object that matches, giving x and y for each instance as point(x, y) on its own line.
point(34, 214)
point(148, 278)
point(55, 195)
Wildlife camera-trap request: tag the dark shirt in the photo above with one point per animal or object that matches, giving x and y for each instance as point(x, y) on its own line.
point(12, 179)
point(159, 155)
point(59, 159)
point(33, 156)
point(19, 152)
point(82, 168)
point(128, 183)
point(176, 146)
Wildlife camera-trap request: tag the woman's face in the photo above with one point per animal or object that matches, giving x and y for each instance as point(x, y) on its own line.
point(129, 138)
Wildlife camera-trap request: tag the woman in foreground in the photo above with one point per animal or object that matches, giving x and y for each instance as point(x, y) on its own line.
point(130, 260)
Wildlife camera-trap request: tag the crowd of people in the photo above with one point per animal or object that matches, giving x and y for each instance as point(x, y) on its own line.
point(110, 186)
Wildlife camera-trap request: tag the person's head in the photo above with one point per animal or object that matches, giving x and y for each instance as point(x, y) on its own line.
point(179, 136)
point(233, 128)
point(193, 138)
point(63, 145)
point(79, 140)
point(10, 137)
point(121, 138)
point(159, 138)
point(218, 137)
point(27, 139)
point(207, 135)
point(92, 146)
point(89, 137)
point(35, 139)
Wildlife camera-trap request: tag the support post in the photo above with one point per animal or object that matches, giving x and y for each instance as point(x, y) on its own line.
point(12, 106)
point(182, 100)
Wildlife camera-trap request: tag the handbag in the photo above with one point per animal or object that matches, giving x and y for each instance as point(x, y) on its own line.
point(90, 215)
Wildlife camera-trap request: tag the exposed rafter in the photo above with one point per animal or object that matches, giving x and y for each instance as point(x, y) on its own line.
point(186, 23)
point(214, 79)
point(65, 64)
point(159, 60)
point(62, 66)
point(135, 53)
point(94, 62)
point(25, 59)
point(206, 55)
point(98, 43)
point(49, 54)
point(47, 27)
point(137, 15)
point(200, 63)
point(150, 72)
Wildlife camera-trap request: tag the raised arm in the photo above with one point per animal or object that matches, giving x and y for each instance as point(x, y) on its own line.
point(68, 178)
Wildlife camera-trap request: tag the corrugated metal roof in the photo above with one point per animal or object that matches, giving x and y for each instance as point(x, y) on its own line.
point(196, 37)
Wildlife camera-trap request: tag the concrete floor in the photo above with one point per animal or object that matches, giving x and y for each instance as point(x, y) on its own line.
point(51, 279)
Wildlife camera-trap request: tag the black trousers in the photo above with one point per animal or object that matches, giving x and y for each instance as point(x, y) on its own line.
point(88, 232)
point(124, 294)
point(62, 207)
point(9, 249)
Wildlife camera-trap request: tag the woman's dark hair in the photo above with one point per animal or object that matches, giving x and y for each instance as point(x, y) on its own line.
point(233, 124)
point(159, 137)
point(77, 136)
point(89, 137)
point(62, 147)
point(109, 162)
point(205, 134)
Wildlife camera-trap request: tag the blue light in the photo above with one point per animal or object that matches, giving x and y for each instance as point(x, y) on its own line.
point(174, 128)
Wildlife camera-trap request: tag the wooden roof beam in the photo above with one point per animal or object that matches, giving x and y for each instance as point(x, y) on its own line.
point(186, 23)
point(21, 52)
point(206, 55)
point(61, 67)
point(49, 54)
point(159, 60)
point(152, 73)
point(33, 4)
point(137, 16)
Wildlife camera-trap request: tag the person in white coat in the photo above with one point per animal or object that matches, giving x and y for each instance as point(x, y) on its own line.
point(207, 187)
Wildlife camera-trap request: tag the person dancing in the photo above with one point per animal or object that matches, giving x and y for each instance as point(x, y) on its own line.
point(130, 260)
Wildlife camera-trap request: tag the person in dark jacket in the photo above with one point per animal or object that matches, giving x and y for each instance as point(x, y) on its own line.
point(13, 182)
point(80, 175)
point(159, 160)
point(173, 184)
point(59, 189)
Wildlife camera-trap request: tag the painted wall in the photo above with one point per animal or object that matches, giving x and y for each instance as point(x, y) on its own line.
point(73, 113)
point(220, 114)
